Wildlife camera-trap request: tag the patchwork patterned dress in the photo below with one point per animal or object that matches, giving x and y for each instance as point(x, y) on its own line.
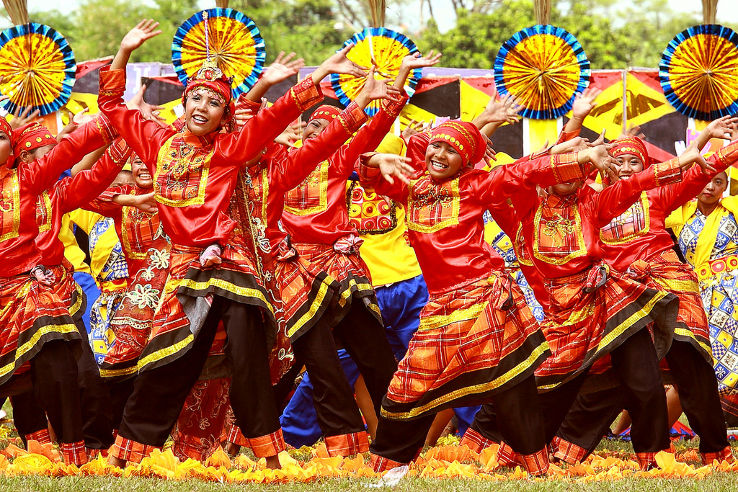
point(717, 270)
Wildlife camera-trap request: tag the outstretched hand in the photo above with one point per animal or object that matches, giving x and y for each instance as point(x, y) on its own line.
point(722, 127)
point(145, 202)
point(416, 60)
point(584, 102)
point(375, 88)
point(339, 63)
point(24, 118)
point(504, 110)
point(148, 111)
point(393, 166)
point(282, 68)
point(691, 156)
point(415, 127)
point(144, 30)
point(600, 158)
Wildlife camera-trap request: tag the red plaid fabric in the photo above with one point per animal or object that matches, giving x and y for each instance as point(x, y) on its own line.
point(507, 456)
point(268, 445)
point(536, 463)
point(567, 451)
point(646, 460)
point(724, 455)
point(467, 338)
point(578, 323)
point(130, 450)
point(186, 290)
point(347, 444)
point(380, 463)
point(665, 272)
point(235, 436)
point(41, 436)
point(626, 225)
point(349, 270)
point(475, 441)
point(74, 453)
point(32, 314)
point(93, 453)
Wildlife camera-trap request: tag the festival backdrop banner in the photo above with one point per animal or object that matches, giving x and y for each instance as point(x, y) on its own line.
point(629, 98)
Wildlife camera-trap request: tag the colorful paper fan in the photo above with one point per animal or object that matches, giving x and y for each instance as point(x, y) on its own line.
point(38, 68)
point(699, 72)
point(232, 38)
point(387, 48)
point(544, 67)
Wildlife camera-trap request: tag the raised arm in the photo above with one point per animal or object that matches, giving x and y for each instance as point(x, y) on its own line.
point(371, 135)
point(144, 136)
point(524, 175)
point(616, 198)
point(292, 166)
point(584, 103)
point(43, 172)
point(695, 178)
point(387, 174)
point(87, 185)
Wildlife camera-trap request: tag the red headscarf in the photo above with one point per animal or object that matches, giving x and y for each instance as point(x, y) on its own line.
point(326, 112)
point(211, 78)
point(30, 137)
point(464, 137)
point(631, 145)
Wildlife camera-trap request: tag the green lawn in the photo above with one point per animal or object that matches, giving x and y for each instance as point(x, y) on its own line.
point(716, 482)
point(713, 482)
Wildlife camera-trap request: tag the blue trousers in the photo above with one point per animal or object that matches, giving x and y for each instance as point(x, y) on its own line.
point(87, 282)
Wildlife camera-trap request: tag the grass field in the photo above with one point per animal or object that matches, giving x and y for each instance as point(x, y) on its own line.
point(446, 467)
point(719, 482)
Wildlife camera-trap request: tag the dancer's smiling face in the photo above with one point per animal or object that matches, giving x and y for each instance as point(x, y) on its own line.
point(203, 112)
point(442, 160)
point(628, 165)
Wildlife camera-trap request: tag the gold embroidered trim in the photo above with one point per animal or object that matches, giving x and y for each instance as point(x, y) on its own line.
point(645, 205)
point(184, 162)
point(321, 172)
point(10, 201)
point(412, 204)
point(576, 228)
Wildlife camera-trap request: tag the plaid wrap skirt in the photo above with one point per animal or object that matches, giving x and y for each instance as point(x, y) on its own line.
point(473, 341)
point(349, 275)
point(132, 321)
point(31, 314)
point(666, 272)
point(585, 323)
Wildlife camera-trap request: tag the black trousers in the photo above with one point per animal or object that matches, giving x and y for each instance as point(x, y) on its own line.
point(120, 391)
point(55, 388)
point(636, 364)
point(97, 420)
point(158, 394)
point(516, 418)
point(28, 416)
point(366, 342)
point(593, 413)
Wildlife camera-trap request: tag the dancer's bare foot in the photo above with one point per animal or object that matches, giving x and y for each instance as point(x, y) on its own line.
point(273, 462)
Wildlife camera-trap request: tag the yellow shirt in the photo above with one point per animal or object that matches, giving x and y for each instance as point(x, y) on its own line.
point(72, 251)
point(101, 246)
point(381, 224)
